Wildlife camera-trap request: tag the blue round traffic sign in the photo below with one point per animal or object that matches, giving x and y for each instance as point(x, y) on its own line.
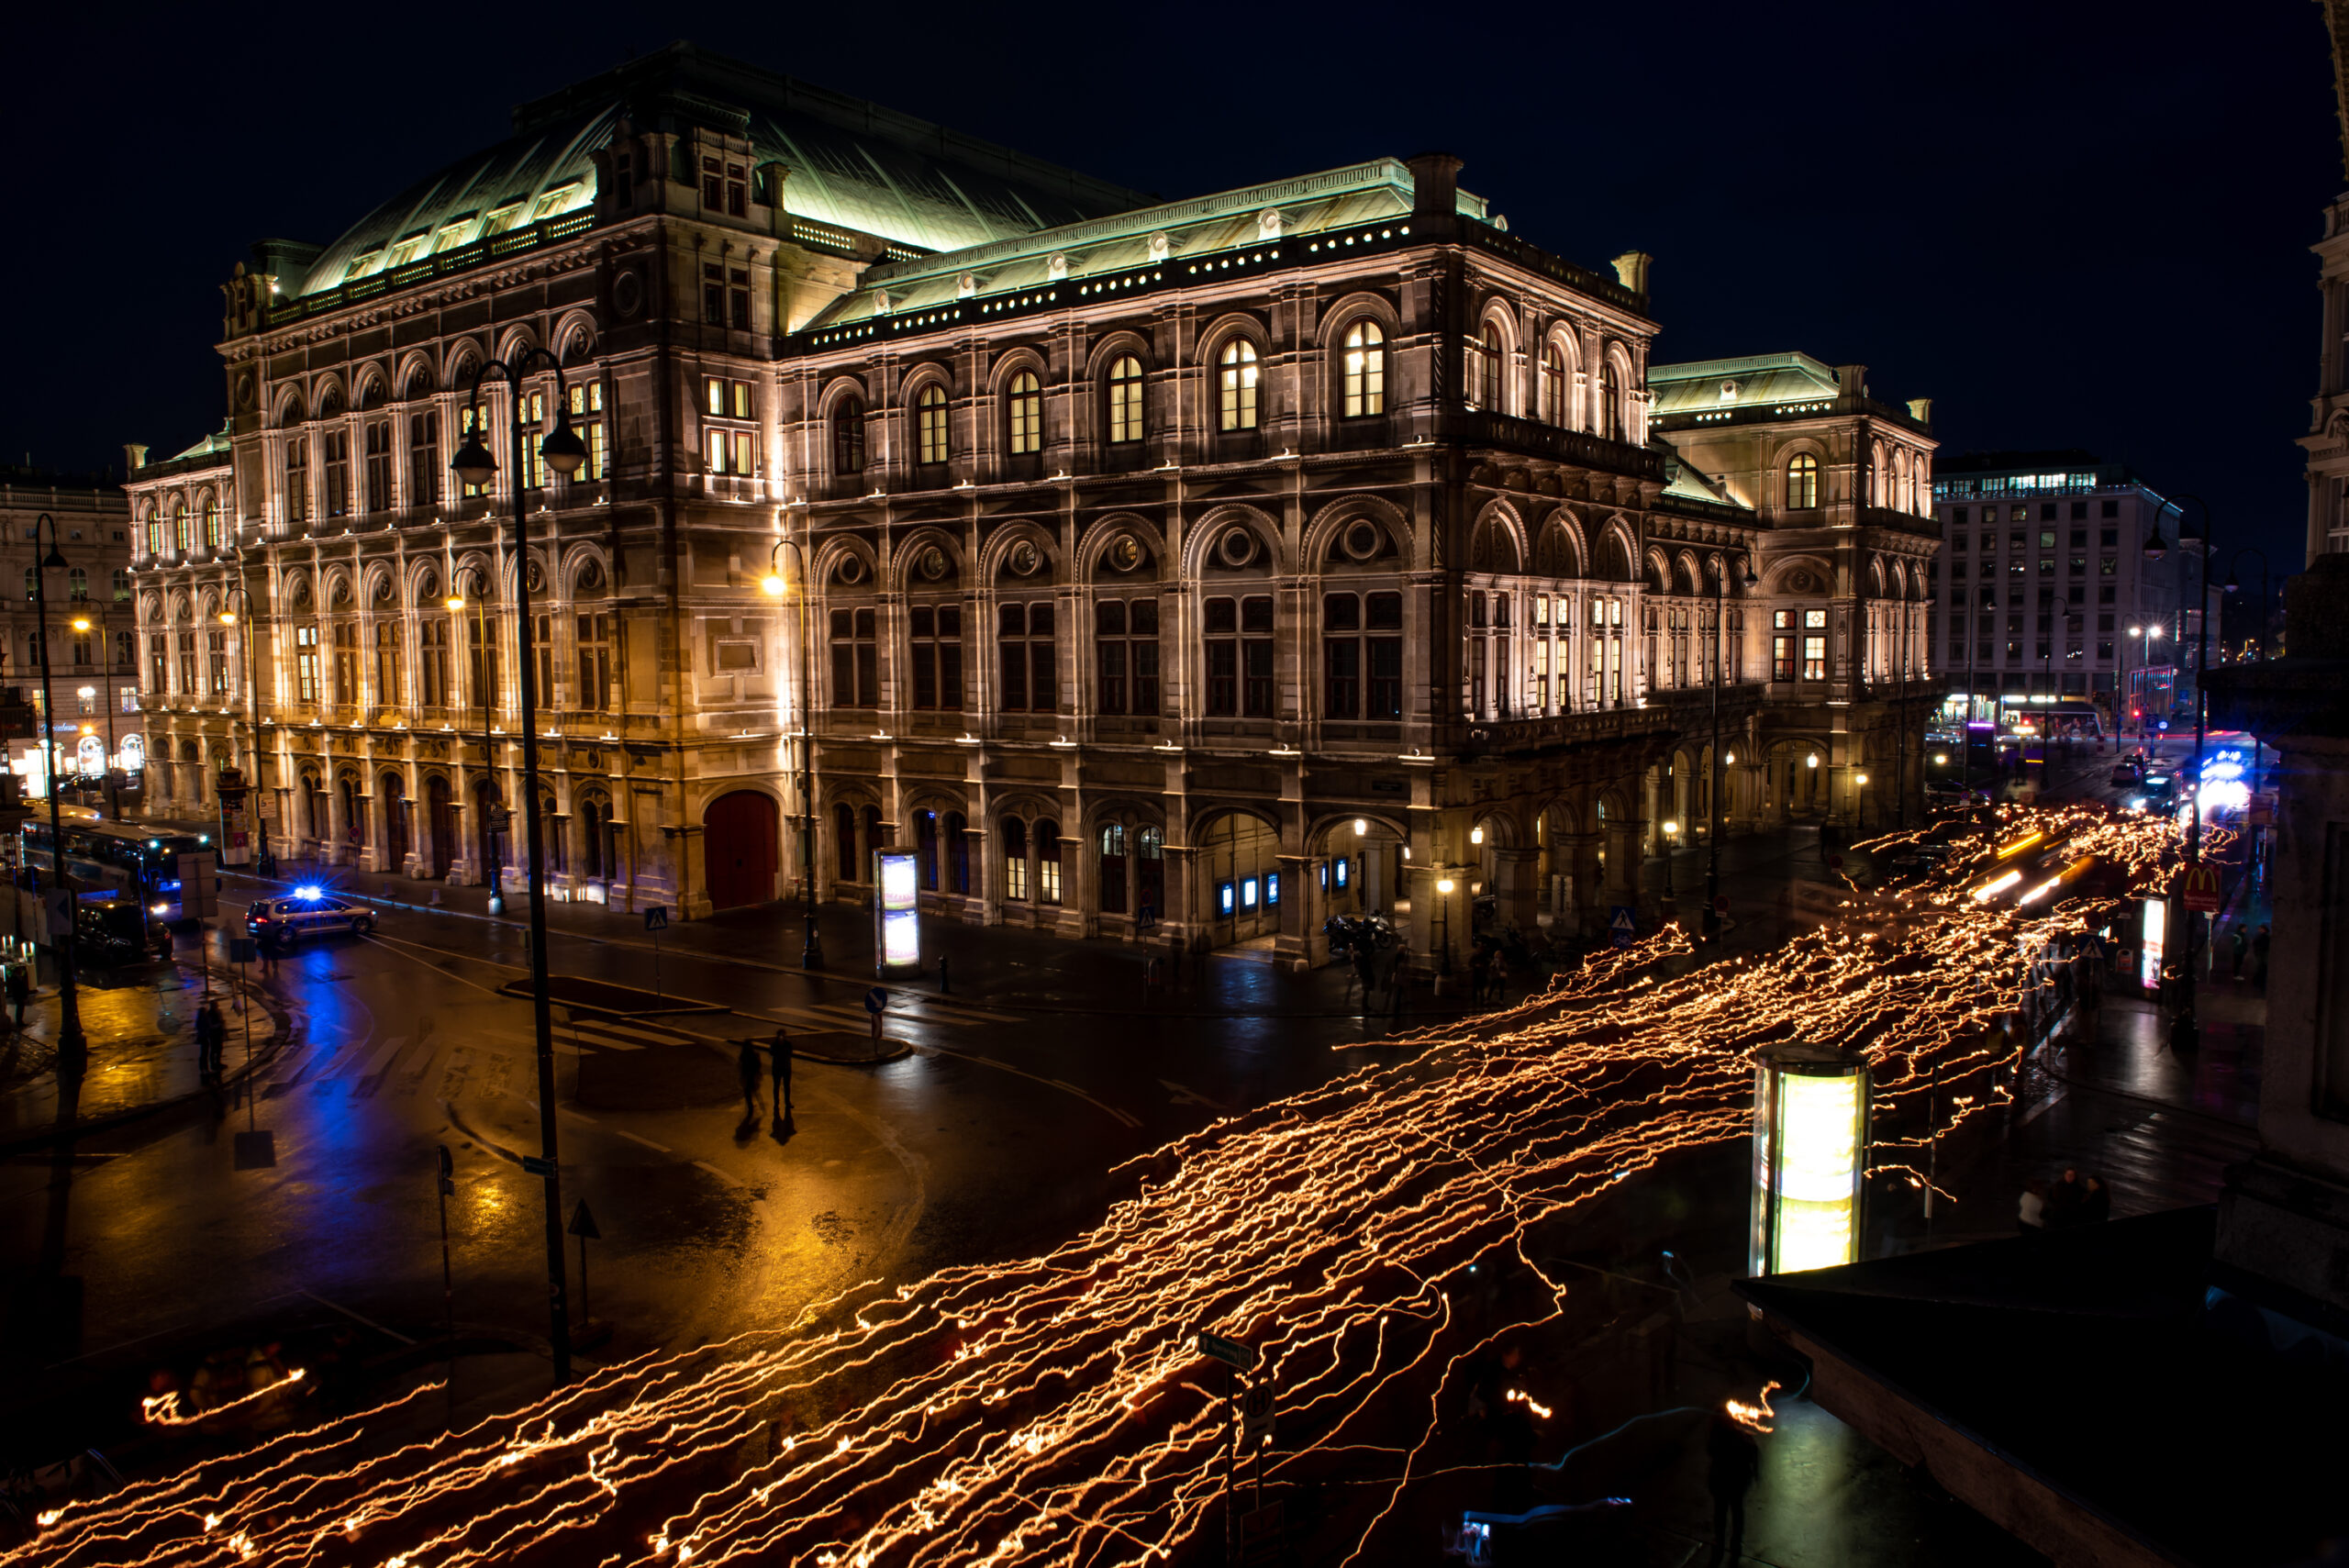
point(876, 1000)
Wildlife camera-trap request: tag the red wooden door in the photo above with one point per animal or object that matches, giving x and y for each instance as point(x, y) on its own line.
point(738, 838)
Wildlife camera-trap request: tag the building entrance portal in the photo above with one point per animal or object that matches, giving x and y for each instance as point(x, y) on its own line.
point(1239, 862)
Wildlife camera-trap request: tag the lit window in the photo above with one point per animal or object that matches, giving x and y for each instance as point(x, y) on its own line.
point(929, 423)
point(1366, 368)
point(1802, 482)
point(848, 438)
point(1125, 399)
point(1024, 407)
point(1239, 372)
point(1490, 357)
point(1553, 395)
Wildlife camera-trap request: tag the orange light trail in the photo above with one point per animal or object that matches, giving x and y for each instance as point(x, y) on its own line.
point(1055, 1409)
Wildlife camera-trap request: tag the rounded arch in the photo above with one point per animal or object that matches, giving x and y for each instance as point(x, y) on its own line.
point(837, 391)
point(1612, 397)
point(1361, 305)
point(424, 581)
point(994, 553)
point(1688, 576)
point(335, 589)
point(373, 389)
point(1011, 362)
point(832, 552)
point(574, 335)
point(1614, 551)
point(1210, 528)
point(1327, 526)
point(1208, 813)
point(416, 377)
point(1319, 829)
point(1875, 586)
point(293, 589)
point(291, 410)
point(1113, 346)
point(380, 585)
point(473, 571)
point(904, 566)
point(328, 396)
point(518, 340)
point(1209, 352)
point(459, 358)
point(1800, 574)
point(586, 572)
point(1496, 543)
point(1559, 550)
point(1093, 563)
point(924, 373)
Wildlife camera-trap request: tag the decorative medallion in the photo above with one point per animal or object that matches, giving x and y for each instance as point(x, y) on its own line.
point(1025, 559)
point(933, 564)
point(628, 294)
point(1125, 552)
point(1799, 581)
point(1237, 547)
point(850, 571)
point(1361, 541)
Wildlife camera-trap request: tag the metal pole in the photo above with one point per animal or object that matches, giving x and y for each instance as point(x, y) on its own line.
point(542, 1003)
point(265, 862)
point(1710, 921)
point(73, 1048)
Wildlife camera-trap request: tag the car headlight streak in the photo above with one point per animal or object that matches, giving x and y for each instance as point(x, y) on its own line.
point(1054, 1408)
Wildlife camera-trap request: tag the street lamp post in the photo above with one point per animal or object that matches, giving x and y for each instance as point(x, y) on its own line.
point(264, 861)
point(106, 677)
point(485, 662)
point(811, 946)
point(1860, 803)
point(2185, 1035)
point(1671, 832)
point(1443, 924)
point(2234, 586)
point(73, 1048)
point(1711, 922)
point(563, 452)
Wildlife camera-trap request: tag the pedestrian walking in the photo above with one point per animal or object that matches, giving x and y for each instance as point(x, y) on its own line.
point(749, 1062)
point(211, 1040)
point(779, 1053)
point(1732, 1459)
point(21, 991)
point(2066, 1200)
point(2031, 1209)
point(2096, 1201)
point(163, 942)
point(2242, 950)
point(2259, 960)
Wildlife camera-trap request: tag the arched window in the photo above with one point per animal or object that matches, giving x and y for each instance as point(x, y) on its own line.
point(1113, 869)
point(1153, 889)
point(1490, 357)
point(32, 582)
point(121, 585)
point(926, 848)
point(154, 531)
point(212, 539)
point(1610, 402)
point(1237, 409)
point(1551, 395)
point(1015, 858)
point(848, 438)
point(1024, 415)
point(1365, 367)
point(77, 585)
point(1802, 482)
point(1125, 399)
point(929, 424)
point(183, 533)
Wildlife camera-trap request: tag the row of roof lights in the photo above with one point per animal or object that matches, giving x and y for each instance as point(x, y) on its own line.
point(1244, 261)
point(1133, 280)
point(1366, 237)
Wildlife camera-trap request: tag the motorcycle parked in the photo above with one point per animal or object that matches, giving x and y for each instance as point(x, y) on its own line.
point(1366, 933)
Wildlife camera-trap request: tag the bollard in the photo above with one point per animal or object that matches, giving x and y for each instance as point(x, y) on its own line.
point(945, 977)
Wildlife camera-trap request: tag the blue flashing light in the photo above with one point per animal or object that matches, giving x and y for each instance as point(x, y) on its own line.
point(309, 894)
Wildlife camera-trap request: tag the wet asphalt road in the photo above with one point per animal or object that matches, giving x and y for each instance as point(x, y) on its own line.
point(993, 1141)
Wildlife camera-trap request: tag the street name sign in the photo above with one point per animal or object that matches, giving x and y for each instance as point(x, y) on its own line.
point(1230, 1351)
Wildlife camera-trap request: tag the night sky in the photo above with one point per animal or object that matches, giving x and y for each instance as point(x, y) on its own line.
point(2081, 225)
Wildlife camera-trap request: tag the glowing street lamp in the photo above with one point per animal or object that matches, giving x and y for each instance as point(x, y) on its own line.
point(1810, 1131)
point(1671, 833)
point(811, 946)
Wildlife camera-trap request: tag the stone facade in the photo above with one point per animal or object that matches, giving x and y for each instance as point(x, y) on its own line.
point(1185, 571)
point(94, 535)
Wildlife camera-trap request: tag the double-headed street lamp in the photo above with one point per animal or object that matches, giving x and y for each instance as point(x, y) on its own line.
point(264, 859)
point(484, 673)
point(73, 1048)
point(811, 946)
point(1713, 918)
point(2234, 585)
point(563, 452)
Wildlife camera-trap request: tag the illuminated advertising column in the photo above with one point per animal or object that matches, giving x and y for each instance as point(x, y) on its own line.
point(897, 936)
point(2152, 929)
point(1811, 1126)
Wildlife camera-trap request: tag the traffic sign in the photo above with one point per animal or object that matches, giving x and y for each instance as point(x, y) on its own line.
point(1230, 1351)
point(2201, 886)
point(1721, 904)
point(1257, 1416)
point(538, 1165)
point(1621, 926)
point(656, 916)
point(582, 1224)
point(876, 1001)
point(1835, 861)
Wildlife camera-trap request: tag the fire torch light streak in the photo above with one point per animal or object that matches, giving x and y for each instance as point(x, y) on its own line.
point(1049, 1408)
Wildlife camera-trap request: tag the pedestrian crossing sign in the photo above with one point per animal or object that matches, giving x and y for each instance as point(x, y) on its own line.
point(1620, 925)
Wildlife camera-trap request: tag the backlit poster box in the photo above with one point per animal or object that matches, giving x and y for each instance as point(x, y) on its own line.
point(897, 938)
point(2152, 928)
point(1811, 1114)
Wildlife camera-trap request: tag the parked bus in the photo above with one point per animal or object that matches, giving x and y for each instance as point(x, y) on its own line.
point(137, 861)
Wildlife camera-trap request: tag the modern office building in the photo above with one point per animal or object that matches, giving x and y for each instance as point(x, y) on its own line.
point(2049, 595)
point(1178, 570)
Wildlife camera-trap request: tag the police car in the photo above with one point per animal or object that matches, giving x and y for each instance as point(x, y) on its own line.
point(308, 911)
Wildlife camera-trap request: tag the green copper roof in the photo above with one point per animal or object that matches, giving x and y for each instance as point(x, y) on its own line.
point(852, 164)
point(1772, 380)
point(1309, 208)
point(1685, 482)
point(217, 442)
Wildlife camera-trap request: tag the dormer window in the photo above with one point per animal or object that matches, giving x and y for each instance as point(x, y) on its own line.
point(554, 201)
point(725, 188)
point(409, 248)
point(453, 233)
point(503, 218)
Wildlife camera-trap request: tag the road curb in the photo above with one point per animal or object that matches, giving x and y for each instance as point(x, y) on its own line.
point(265, 1053)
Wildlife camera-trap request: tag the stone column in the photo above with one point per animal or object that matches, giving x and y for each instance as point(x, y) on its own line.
point(1581, 910)
point(1625, 841)
point(1517, 884)
point(1297, 944)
